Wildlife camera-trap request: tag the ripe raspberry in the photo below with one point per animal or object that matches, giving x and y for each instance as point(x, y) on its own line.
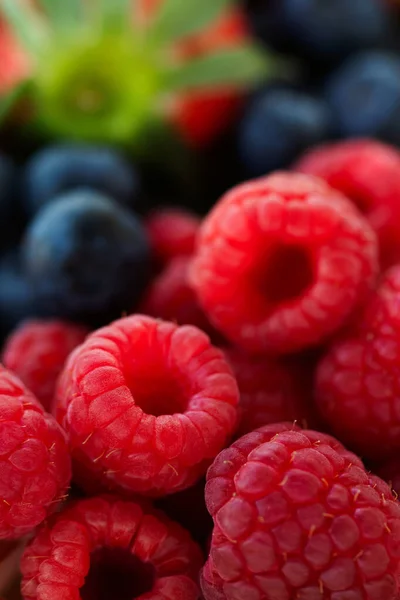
point(172, 232)
point(367, 172)
point(357, 386)
point(271, 391)
point(146, 404)
point(34, 462)
point(103, 548)
point(37, 351)
point(297, 516)
point(171, 297)
point(282, 262)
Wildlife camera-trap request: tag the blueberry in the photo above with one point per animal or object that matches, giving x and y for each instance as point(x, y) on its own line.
point(58, 169)
point(277, 126)
point(322, 29)
point(364, 95)
point(87, 257)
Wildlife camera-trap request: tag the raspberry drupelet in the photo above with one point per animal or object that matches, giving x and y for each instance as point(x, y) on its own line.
point(146, 405)
point(367, 172)
point(35, 467)
point(36, 352)
point(296, 516)
point(103, 548)
point(357, 383)
point(282, 262)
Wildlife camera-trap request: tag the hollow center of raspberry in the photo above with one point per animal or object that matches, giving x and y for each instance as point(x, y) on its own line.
point(287, 273)
point(116, 573)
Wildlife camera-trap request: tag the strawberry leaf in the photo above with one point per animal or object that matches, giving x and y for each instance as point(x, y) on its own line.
point(176, 19)
point(236, 67)
point(11, 100)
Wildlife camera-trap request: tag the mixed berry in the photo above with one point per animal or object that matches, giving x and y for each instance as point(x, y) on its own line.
point(200, 300)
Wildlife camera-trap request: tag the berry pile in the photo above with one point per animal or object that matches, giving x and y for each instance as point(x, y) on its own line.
point(200, 300)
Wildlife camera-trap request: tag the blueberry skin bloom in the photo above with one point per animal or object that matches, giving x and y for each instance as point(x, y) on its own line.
point(86, 257)
point(64, 167)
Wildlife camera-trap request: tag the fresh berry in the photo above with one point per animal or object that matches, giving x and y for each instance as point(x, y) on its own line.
point(357, 387)
point(146, 404)
point(282, 262)
point(271, 391)
point(34, 461)
point(66, 167)
point(297, 516)
point(277, 126)
point(364, 96)
point(324, 31)
point(86, 257)
point(14, 64)
point(172, 298)
point(172, 232)
point(36, 353)
point(390, 472)
point(367, 172)
point(102, 548)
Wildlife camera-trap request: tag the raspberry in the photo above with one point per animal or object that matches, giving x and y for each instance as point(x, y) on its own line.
point(357, 386)
point(103, 548)
point(390, 472)
point(367, 172)
point(172, 232)
point(34, 461)
point(271, 391)
point(146, 404)
point(287, 224)
point(171, 297)
point(36, 353)
point(297, 516)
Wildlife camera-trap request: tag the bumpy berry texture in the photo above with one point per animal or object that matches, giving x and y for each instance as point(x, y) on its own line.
point(171, 297)
point(271, 391)
point(36, 352)
point(367, 172)
point(282, 262)
point(35, 467)
point(103, 548)
point(297, 516)
point(357, 387)
point(146, 404)
point(172, 232)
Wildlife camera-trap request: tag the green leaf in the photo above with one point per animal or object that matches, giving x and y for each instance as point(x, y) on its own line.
point(236, 67)
point(63, 13)
point(115, 13)
point(10, 100)
point(25, 22)
point(176, 19)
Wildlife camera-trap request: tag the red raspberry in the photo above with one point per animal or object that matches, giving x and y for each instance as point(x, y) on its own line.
point(367, 172)
point(172, 232)
point(390, 472)
point(34, 461)
point(37, 351)
point(146, 404)
point(296, 516)
point(171, 297)
point(357, 387)
point(282, 262)
point(104, 548)
point(271, 391)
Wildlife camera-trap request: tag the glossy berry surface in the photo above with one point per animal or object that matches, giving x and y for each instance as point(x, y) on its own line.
point(260, 230)
point(36, 352)
point(65, 167)
point(35, 468)
point(277, 126)
point(146, 404)
point(357, 380)
point(298, 516)
point(102, 548)
point(86, 257)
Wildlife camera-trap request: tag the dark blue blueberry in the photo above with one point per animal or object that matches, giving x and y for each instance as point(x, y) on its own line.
point(322, 29)
point(364, 95)
point(61, 168)
point(277, 126)
point(87, 257)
